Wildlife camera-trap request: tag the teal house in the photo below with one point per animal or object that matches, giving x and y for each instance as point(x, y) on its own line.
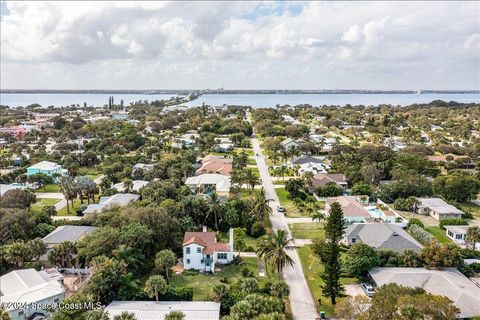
point(46, 167)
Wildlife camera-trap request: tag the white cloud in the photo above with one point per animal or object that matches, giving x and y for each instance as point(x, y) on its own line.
point(240, 44)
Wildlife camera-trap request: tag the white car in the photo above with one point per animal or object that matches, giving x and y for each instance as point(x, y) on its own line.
point(367, 287)
point(280, 209)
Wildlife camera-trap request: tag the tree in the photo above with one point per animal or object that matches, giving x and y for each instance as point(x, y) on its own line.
point(4, 314)
point(331, 189)
point(164, 262)
point(175, 315)
point(37, 248)
point(457, 187)
point(127, 185)
point(97, 315)
point(361, 188)
point(125, 316)
point(49, 211)
point(17, 253)
point(329, 253)
point(411, 259)
point(436, 255)
point(239, 239)
point(69, 189)
point(352, 308)
point(216, 208)
point(17, 198)
point(63, 254)
point(272, 249)
point(277, 288)
point(219, 292)
point(360, 259)
point(473, 236)
point(260, 206)
point(250, 178)
point(249, 285)
point(155, 286)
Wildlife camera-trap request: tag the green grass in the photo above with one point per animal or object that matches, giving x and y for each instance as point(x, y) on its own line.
point(254, 170)
point(203, 283)
point(249, 241)
point(49, 188)
point(438, 233)
point(307, 230)
point(251, 162)
point(38, 206)
point(313, 268)
point(290, 210)
point(76, 206)
point(247, 151)
point(470, 207)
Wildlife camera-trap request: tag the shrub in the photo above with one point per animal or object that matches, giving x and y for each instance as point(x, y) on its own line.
point(416, 222)
point(331, 189)
point(178, 294)
point(247, 273)
point(453, 222)
point(249, 249)
point(419, 234)
point(257, 229)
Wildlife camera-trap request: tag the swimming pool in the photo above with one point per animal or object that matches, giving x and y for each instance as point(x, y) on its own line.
point(375, 212)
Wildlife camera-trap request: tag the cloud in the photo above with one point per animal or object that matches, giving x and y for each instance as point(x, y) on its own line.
point(130, 44)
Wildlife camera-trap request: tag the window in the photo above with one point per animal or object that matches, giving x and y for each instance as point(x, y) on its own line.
point(459, 236)
point(199, 250)
point(354, 240)
point(188, 261)
point(187, 250)
point(221, 256)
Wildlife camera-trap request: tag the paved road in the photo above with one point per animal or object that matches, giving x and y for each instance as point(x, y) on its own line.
point(300, 220)
point(301, 300)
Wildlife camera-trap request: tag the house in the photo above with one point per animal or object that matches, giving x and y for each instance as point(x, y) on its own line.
point(458, 235)
point(187, 140)
point(119, 199)
point(210, 182)
point(142, 166)
point(381, 236)
point(356, 209)
point(149, 310)
point(64, 233)
point(320, 180)
point(215, 164)
point(202, 252)
point(45, 117)
point(448, 282)
point(289, 144)
point(137, 185)
point(16, 132)
point(46, 167)
point(437, 208)
point(6, 187)
point(312, 167)
point(298, 161)
point(121, 115)
point(25, 292)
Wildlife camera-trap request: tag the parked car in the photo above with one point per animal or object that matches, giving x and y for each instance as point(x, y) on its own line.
point(367, 287)
point(280, 209)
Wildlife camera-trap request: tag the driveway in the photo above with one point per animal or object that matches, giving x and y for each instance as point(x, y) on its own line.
point(353, 290)
point(301, 299)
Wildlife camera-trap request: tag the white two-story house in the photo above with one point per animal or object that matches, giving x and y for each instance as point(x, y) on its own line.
point(202, 252)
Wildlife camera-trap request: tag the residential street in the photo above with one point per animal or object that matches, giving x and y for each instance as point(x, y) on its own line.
point(301, 300)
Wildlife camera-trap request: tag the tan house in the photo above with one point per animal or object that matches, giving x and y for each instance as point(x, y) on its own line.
point(215, 164)
point(437, 208)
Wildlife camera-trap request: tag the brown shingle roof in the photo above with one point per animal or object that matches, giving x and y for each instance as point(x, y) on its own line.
point(321, 179)
point(205, 239)
point(215, 164)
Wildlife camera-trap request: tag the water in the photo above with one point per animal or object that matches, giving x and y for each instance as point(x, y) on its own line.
point(256, 100)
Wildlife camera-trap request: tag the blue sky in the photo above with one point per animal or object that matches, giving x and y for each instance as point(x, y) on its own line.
point(300, 45)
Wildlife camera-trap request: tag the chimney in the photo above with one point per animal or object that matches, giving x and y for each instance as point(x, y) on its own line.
point(230, 242)
point(204, 228)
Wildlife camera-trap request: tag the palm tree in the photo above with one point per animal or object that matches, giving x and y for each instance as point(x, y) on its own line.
point(165, 261)
point(272, 249)
point(473, 236)
point(175, 315)
point(308, 177)
point(215, 208)
point(155, 286)
point(127, 185)
point(68, 188)
point(260, 206)
point(251, 178)
point(125, 316)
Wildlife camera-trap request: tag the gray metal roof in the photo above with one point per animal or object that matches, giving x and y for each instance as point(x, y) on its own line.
point(438, 205)
point(67, 233)
point(383, 236)
point(157, 310)
point(448, 282)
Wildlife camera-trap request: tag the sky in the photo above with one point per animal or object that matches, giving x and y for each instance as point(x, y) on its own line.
point(240, 45)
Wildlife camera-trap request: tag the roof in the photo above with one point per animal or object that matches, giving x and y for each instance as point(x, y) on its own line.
point(157, 310)
point(221, 182)
point(205, 239)
point(350, 206)
point(383, 236)
point(448, 282)
point(321, 179)
point(288, 141)
point(45, 165)
point(67, 233)
point(27, 286)
point(438, 205)
point(307, 159)
point(214, 164)
point(137, 184)
point(457, 229)
point(119, 199)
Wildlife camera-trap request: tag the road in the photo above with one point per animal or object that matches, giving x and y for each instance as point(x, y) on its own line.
point(301, 300)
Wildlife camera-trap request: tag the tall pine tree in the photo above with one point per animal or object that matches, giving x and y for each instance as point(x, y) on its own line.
point(330, 253)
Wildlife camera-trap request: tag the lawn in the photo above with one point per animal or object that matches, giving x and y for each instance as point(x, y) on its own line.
point(251, 162)
point(93, 172)
point(203, 283)
point(49, 188)
point(312, 268)
point(249, 241)
point(438, 233)
point(470, 207)
point(247, 151)
point(307, 230)
point(290, 210)
point(38, 206)
point(76, 206)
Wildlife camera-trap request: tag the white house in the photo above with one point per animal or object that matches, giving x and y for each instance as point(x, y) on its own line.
point(119, 199)
point(202, 252)
point(136, 185)
point(46, 167)
point(458, 234)
point(437, 208)
point(158, 310)
point(23, 292)
point(289, 144)
point(210, 182)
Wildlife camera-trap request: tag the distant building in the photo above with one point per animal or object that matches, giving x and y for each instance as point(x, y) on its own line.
point(202, 252)
point(448, 282)
point(437, 208)
point(142, 166)
point(320, 180)
point(65, 233)
point(215, 164)
point(149, 310)
point(16, 132)
point(23, 292)
point(119, 199)
point(289, 144)
point(381, 236)
point(121, 115)
point(458, 234)
point(137, 185)
point(210, 182)
point(46, 167)
point(356, 209)
point(45, 117)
